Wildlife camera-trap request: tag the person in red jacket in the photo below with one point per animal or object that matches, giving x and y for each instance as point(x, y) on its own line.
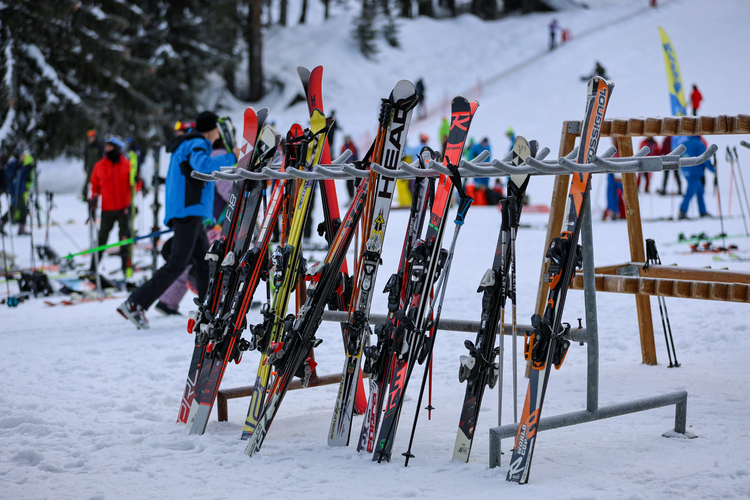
point(110, 181)
point(695, 99)
point(653, 146)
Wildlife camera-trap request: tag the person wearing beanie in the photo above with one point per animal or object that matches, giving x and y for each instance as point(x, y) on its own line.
point(110, 181)
point(188, 203)
point(92, 153)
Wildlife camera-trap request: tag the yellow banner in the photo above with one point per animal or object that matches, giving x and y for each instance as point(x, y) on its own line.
point(674, 81)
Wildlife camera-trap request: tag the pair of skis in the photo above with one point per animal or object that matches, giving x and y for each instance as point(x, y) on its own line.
point(423, 260)
point(394, 120)
point(547, 345)
point(479, 369)
point(218, 250)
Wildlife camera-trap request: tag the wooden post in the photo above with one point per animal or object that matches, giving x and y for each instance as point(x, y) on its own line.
point(556, 210)
point(637, 252)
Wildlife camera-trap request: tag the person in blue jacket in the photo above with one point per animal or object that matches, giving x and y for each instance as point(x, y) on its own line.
point(695, 175)
point(188, 203)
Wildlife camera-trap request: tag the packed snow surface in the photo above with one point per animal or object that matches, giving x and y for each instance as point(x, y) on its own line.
point(89, 402)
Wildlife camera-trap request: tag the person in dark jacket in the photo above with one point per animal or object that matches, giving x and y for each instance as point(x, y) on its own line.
point(110, 182)
point(92, 153)
point(695, 175)
point(188, 202)
point(20, 176)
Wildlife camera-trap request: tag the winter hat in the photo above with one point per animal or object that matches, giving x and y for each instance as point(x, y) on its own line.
point(206, 121)
point(115, 141)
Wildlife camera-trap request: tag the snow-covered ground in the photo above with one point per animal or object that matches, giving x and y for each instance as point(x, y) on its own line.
point(89, 403)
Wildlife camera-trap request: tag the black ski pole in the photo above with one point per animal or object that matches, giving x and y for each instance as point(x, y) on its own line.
point(652, 257)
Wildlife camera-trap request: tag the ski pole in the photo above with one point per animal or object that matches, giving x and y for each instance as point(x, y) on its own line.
point(119, 243)
point(742, 180)
point(717, 191)
point(652, 256)
point(463, 206)
point(730, 159)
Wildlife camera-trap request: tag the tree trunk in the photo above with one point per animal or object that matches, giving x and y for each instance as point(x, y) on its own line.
point(326, 4)
point(303, 15)
point(255, 51)
point(282, 12)
point(424, 8)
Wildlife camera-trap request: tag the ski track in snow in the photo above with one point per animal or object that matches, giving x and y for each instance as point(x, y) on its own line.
point(89, 403)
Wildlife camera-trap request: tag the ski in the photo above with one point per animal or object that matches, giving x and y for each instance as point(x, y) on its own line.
point(479, 368)
point(291, 355)
point(287, 259)
point(427, 259)
point(221, 335)
point(252, 126)
point(261, 334)
point(546, 345)
point(395, 117)
point(379, 357)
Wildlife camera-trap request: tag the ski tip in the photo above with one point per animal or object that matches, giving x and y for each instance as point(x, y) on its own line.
point(402, 90)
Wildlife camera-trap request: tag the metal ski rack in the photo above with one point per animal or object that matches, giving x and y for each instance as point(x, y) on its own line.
point(605, 163)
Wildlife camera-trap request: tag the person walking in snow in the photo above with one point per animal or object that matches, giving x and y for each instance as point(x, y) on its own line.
point(110, 182)
point(188, 202)
point(349, 144)
point(92, 153)
point(695, 175)
point(553, 27)
point(695, 99)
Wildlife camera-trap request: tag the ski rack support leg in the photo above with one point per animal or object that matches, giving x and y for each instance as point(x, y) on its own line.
point(592, 411)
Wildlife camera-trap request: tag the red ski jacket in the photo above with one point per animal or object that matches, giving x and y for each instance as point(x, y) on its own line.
point(112, 183)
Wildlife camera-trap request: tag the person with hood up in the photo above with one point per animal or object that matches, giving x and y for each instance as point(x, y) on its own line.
point(188, 203)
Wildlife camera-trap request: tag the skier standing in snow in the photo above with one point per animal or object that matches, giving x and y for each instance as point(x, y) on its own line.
point(110, 181)
point(349, 144)
point(188, 202)
point(553, 26)
point(695, 99)
point(654, 150)
point(421, 104)
point(666, 148)
point(20, 174)
point(92, 153)
point(695, 175)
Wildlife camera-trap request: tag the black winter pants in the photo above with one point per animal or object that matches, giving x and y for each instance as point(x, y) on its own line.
point(189, 246)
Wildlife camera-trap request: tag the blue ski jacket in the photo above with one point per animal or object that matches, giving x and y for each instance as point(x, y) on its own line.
point(695, 147)
point(186, 196)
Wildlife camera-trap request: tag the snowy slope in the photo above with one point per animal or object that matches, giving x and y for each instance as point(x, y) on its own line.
point(88, 404)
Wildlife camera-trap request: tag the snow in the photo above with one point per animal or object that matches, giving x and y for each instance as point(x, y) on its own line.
point(89, 402)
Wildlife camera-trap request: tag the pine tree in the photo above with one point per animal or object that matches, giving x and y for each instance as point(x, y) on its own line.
point(126, 67)
point(364, 31)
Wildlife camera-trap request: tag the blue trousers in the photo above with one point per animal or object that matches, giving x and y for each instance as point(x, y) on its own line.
point(694, 188)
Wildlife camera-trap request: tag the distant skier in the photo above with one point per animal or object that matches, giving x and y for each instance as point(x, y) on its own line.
point(20, 172)
point(92, 153)
point(695, 99)
point(654, 150)
point(421, 103)
point(188, 203)
point(553, 27)
point(666, 148)
point(695, 175)
point(349, 145)
point(597, 71)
